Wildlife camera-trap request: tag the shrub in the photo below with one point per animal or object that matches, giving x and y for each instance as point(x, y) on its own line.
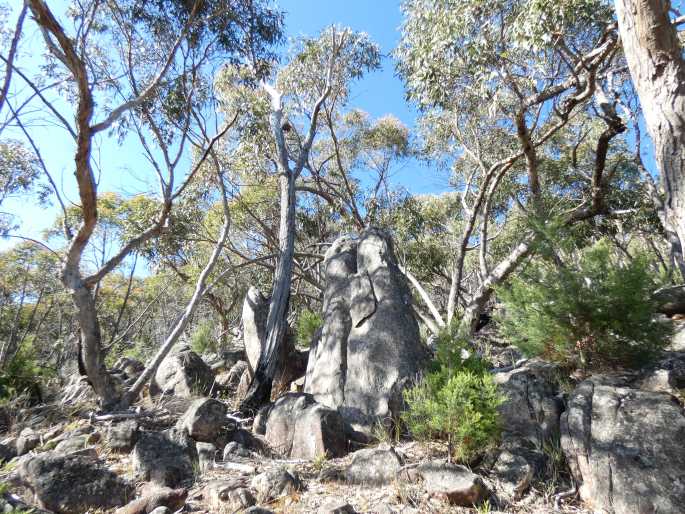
point(22, 375)
point(457, 401)
point(597, 314)
point(203, 340)
point(308, 323)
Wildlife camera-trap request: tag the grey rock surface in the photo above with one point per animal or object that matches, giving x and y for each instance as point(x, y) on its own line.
point(299, 427)
point(73, 484)
point(370, 347)
point(184, 374)
point(625, 447)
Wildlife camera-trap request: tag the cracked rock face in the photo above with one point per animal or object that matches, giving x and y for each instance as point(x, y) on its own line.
point(370, 346)
point(625, 448)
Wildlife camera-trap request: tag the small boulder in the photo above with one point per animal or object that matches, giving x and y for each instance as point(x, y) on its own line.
point(7, 452)
point(156, 498)
point(75, 443)
point(183, 374)
point(453, 483)
point(204, 419)
point(27, 441)
point(275, 483)
point(514, 474)
point(235, 449)
point(299, 427)
point(122, 437)
point(373, 466)
point(228, 495)
point(670, 300)
point(165, 458)
point(72, 484)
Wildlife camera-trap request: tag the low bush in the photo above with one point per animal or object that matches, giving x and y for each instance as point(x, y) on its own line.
point(308, 323)
point(456, 402)
point(596, 314)
point(202, 340)
point(22, 375)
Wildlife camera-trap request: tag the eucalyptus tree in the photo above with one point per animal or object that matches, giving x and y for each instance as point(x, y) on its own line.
point(279, 143)
point(654, 52)
point(497, 82)
point(131, 69)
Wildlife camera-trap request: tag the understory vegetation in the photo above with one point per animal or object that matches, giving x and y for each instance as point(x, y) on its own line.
point(456, 401)
point(174, 154)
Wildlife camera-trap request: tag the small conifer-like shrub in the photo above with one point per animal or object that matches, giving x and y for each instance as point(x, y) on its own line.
point(308, 323)
point(596, 314)
point(455, 402)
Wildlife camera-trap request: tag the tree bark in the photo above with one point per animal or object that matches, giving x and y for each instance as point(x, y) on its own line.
point(277, 322)
point(654, 55)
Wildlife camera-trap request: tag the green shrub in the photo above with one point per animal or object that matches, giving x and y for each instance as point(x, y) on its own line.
point(457, 401)
point(308, 323)
point(22, 375)
point(203, 340)
point(594, 315)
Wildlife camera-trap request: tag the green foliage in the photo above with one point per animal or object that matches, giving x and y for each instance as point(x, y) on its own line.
point(308, 323)
point(203, 340)
point(22, 374)
point(456, 401)
point(598, 313)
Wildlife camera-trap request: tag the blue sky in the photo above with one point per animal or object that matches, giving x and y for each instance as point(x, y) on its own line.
point(379, 93)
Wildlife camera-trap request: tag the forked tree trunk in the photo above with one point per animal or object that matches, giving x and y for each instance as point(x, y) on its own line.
point(654, 55)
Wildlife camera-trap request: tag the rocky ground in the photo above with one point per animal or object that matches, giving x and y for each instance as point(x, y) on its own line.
point(618, 436)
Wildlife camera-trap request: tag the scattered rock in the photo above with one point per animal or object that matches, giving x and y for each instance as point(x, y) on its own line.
point(235, 449)
point(453, 483)
point(250, 441)
point(74, 444)
point(161, 510)
point(274, 483)
point(165, 458)
point(122, 437)
point(7, 452)
point(204, 419)
point(27, 441)
point(514, 474)
point(156, 498)
point(183, 374)
point(298, 427)
point(231, 378)
point(72, 484)
point(624, 447)
point(373, 466)
point(370, 347)
point(670, 300)
point(530, 420)
point(228, 495)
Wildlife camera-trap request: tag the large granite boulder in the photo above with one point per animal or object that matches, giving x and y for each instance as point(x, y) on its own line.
point(204, 419)
point(298, 427)
point(670, 300)
point(293, 361)
point(183, 374)
point(625, 447)
point(370, 347)
point(74, 483)
point(164, 458)
point(530, 422)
